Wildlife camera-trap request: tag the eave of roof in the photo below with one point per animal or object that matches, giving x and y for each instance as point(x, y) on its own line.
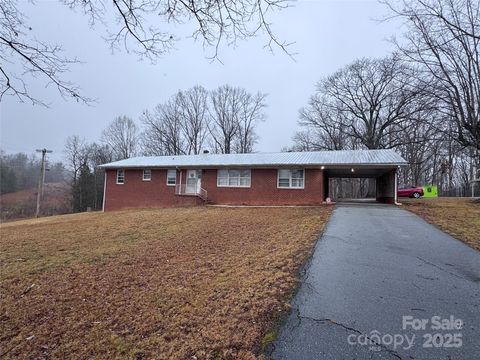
point(378, 158)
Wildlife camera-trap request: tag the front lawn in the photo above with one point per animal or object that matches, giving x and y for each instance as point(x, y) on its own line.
point(460, 217)
point(165, 284)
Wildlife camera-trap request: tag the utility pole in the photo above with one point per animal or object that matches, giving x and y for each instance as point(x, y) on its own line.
point(41, 179)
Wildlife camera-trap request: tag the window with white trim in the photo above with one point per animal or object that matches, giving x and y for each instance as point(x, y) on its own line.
point(171, 177)
point(120, 176)
point(234, 177)
point(291, 178)
point(147, 175)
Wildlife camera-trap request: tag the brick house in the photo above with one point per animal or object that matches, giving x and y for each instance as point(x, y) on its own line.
point(291, 178)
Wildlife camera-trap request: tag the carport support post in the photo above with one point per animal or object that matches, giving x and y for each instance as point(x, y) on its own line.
point(395, 194)
point(326, 181)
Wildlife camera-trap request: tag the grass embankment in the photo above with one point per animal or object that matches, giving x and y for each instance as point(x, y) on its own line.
point(460, 217)
point(175, 283)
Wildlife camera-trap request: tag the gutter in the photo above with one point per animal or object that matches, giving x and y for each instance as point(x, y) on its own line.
point(214, 166)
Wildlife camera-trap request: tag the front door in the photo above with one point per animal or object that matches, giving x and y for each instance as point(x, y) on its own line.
point(194, 181)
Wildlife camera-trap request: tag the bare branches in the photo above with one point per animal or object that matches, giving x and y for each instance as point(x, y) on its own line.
point(226, 105)
point(266, 26)
point(423, 101)
point(235, 114)
point(215, 22)
point(74, 151)
point(449, 12)
point(250, 115)
point(163, 130)
point(139, 26)
point(38, 59)
point(367, 102)
point(226, 119)
point(193, 105)
point(443, 39)
point(147, 41)
point(122, 137)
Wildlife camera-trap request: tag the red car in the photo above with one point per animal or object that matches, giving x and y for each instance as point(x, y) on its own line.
point(410, 191)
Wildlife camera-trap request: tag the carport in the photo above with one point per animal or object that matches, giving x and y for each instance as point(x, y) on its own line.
point(385, 178)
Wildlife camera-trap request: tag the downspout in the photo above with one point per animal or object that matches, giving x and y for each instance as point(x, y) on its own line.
point(180, 185)
point(104, 190)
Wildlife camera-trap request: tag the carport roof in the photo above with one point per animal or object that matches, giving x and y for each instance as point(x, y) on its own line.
point(383, 157)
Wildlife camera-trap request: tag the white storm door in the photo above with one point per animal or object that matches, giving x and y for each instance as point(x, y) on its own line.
point(193, 182)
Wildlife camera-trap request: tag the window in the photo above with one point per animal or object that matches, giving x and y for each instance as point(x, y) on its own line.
point(147, 174)
point(291, 178)
point(171, 177)
point(234, 177)
point(121, 176)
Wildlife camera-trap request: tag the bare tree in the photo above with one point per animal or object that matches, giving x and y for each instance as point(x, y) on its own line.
point(193, 104)
point(423, 100)
point(225, 119)
point(224, 125)
point(444, 39)
point(122, 137)
point(140, 26)
point(98, 154)
point(235, 114)
point(75, 154)
point(303, 140)
point(419, 146)
point(325, 126)
point(377, 99)
point(250, 114)
point(367, 104)
point(163, 130)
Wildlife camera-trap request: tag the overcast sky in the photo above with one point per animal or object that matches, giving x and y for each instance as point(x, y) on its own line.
point(327, 35)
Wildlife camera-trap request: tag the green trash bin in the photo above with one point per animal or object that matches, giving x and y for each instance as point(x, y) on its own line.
point(430, 191)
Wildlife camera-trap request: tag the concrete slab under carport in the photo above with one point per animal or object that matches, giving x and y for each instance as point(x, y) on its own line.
point(385, 179)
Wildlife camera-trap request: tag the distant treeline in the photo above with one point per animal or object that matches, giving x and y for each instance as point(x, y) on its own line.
point(21, 171)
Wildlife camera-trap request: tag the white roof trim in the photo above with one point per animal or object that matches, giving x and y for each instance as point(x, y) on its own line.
point(383, 157)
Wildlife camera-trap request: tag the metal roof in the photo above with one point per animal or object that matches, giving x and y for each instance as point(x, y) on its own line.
point(312, 158)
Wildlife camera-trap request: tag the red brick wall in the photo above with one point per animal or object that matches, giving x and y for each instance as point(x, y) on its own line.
point(136, 193)
point(264, 191)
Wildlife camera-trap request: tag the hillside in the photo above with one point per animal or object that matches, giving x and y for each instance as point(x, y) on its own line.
point(186, 283)
point(21, 204)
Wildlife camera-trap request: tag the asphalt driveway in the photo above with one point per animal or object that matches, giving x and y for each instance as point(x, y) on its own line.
point(378, 276)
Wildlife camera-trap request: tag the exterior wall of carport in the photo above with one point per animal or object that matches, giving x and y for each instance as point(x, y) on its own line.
point(326, 186)
point(386, 187)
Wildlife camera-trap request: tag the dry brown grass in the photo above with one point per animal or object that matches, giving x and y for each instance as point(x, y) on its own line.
point(460, 217)
point(175, 283)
